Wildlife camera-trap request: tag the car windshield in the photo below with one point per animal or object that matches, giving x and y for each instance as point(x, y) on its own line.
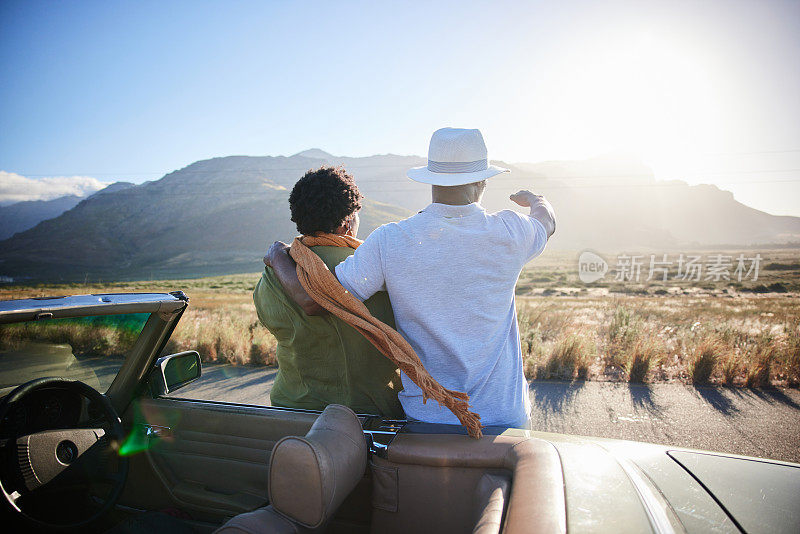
point(91, 349)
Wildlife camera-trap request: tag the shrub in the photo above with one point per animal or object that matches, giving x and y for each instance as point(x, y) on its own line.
point(641, 358)
point(625, 331)
point(759, 367)
point(626, 327)
point(790, 354)
point(533, 353)
point(731, 367)
point(705, 359)
point(531, 339)
point(620, 327)
point(570, 358)
point(262, 346)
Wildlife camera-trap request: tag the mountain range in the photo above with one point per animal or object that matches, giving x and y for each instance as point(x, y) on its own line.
point(217, 216)
point(20, 216)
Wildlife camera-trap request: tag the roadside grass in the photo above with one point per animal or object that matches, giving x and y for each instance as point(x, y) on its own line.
point(112, 335)
point(640, 358)
point(789, 357)
point(740, 338)
point(731, 369)
point(569, 359)
point(705, 360)
point(224, 335)
point(759, 367)
point(749, 341)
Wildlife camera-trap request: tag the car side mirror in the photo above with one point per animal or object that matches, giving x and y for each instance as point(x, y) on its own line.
point(174, 371)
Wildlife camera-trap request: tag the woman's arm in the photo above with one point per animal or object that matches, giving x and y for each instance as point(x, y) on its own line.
point(285, 270)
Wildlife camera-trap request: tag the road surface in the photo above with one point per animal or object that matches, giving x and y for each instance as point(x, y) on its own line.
point(749, 422)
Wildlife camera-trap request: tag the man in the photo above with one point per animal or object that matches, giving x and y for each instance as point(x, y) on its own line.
point(450, 272)
point(322, 360)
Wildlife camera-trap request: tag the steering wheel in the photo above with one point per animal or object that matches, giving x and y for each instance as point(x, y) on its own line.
point(36, 467)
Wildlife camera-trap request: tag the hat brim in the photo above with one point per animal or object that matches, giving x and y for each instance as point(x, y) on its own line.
point(423, 175)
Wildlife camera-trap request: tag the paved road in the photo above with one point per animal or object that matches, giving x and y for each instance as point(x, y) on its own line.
point(749, 422)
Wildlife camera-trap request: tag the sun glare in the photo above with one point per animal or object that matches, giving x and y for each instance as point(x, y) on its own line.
point(643, 93)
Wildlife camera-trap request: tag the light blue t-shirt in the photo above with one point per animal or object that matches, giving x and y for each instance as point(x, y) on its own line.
point(450, 272)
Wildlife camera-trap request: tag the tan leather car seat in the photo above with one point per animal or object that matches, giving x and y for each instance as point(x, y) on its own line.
point(309, 477)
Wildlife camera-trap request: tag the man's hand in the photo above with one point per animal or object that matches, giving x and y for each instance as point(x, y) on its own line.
point(525, 198)
point(541, 210)
point(278, 247)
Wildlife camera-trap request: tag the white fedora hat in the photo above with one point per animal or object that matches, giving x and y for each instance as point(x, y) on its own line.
point(456, 156)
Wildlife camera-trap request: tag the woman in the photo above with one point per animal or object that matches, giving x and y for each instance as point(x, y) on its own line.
point(321, 359)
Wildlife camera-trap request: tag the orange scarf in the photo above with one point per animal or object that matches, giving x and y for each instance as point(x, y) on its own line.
point(322, 286)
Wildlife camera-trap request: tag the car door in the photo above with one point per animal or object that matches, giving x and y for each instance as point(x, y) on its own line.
point(208, 459)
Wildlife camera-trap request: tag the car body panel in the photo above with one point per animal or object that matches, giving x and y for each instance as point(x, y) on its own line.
point(695, 508)
point(614, 505)
point(761, 496)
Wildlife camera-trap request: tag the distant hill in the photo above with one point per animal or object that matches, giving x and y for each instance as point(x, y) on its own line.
point(212, 217)
point(27, 214)
point(113, 188)
point(20, 216)
point(601, 203)
point(218, 216)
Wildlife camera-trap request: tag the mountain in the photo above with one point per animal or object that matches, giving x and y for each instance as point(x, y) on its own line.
point(113, 188)
point(20, 216)
point(27, 214)
point(315, 153)
point(213, 217)
point(609, 203)
point(219, 215)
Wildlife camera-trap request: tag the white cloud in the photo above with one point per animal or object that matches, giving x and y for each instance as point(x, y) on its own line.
point(16, 188)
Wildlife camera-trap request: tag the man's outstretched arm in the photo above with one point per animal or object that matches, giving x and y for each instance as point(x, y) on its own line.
point(286, 271)
point(541, 210)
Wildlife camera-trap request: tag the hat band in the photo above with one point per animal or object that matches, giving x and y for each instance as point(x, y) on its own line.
point(458, 166)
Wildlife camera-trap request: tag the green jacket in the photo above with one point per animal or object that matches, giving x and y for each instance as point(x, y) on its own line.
point(321, 359)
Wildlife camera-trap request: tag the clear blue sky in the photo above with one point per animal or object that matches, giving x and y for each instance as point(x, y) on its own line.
point(704, 91)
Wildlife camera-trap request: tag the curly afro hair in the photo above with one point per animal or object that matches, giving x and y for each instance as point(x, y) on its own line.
point(323, 199)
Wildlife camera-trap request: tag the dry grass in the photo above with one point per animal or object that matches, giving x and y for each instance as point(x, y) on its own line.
point(640, 358)
point(759, 368)
point(220, 322)
point(570, 358)
point(789, 356)
point(704, 361)
point(715, 336)
point(751, 340)
point(111, 335)
point(224, 335)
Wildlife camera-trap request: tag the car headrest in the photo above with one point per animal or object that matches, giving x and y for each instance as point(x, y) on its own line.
point(310, 476)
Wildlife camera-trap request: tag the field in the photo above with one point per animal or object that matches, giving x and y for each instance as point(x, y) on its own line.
point(739, 333)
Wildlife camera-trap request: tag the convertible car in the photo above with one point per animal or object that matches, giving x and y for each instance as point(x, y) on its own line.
point(93, 439)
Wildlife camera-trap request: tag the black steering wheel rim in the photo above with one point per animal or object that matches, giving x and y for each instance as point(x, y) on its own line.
point(117, 434)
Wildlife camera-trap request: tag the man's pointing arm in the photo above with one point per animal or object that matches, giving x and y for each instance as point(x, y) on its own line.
point(541, 209)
